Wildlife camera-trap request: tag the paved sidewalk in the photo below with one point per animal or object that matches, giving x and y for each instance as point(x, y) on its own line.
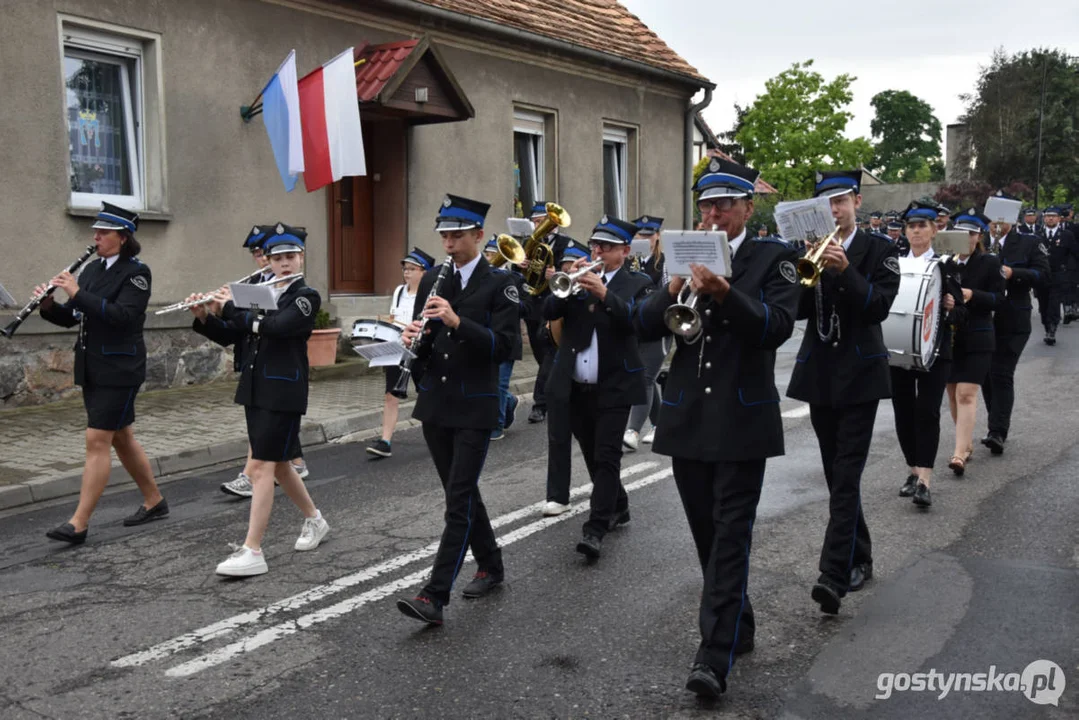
point(181, 429)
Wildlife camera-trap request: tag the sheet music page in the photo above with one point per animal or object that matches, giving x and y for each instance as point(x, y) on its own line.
point(255, 297)
point(519, 227)
point(999, 209)
point(6, 300)
point(682, 247)
point(641, 247)
point(383, 353)
point(952, 242)
point(805, 219)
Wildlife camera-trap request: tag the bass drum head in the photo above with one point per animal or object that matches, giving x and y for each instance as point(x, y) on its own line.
point(367, 332)
point(932, 294)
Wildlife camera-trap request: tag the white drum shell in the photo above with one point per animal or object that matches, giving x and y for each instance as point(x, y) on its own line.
point(912, 330)
point(374, 331)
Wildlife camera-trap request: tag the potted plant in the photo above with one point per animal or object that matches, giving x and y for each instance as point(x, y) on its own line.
point(322, 345)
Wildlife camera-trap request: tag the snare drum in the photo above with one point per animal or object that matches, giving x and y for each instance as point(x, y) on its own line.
point(912, 330)
point(366, 332)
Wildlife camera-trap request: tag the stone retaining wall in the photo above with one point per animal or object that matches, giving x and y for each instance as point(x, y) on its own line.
point(36, 369)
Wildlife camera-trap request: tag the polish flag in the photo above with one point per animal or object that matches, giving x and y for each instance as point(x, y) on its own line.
point(330, 119)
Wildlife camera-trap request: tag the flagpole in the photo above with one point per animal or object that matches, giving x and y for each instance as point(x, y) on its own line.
point(248, 112)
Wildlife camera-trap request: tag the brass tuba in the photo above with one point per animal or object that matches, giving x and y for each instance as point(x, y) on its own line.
point(539, 254)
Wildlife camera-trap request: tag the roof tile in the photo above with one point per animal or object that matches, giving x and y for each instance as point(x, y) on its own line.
point(602, 25)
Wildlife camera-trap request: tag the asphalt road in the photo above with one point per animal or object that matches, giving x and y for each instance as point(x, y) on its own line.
point(136, 625)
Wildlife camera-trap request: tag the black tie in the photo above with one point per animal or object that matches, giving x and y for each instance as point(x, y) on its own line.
point(455, 286)
point(604, 277)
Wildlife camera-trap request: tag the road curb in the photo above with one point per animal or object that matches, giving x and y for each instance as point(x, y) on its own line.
point(163, 466)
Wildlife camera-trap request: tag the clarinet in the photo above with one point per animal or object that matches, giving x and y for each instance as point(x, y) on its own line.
point(405, 366)
point(36, 302)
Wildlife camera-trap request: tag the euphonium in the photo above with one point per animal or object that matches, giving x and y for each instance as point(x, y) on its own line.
point(810, 267)
point(539, 254)
point(565, 284)
point(509, 251)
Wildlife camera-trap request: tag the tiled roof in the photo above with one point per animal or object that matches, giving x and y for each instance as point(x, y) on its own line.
point(381, 62)
point(601, 25)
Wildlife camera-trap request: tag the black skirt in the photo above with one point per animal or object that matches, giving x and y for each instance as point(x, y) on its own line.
point(970, 367)
point(109, 408)
point(274, 436)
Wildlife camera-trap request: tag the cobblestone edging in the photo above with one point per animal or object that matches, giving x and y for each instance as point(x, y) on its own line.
point(225, 450)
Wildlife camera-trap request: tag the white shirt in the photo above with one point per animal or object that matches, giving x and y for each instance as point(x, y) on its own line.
point(737, 243)
point(999, 242)
point(110, 261)
point(586, 364)
point(925, 257)
point(466, 271)
point(406, 304)
point(850, 239)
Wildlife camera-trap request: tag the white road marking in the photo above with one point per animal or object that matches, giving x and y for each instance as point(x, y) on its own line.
point(290, 627)
point(295, 602)
point(799, 412)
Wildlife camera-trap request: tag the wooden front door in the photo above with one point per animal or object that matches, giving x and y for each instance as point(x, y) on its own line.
point(352, 236)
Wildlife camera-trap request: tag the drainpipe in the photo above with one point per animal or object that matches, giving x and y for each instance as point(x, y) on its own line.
point(691, 113)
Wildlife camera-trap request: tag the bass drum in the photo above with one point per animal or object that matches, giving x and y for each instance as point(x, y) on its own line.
point(912, 330)
point(366, 332)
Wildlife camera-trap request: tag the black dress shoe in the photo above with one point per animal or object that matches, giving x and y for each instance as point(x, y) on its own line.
point(422, 608)
point(858, 576)
point(589, 546)
point(142, 515)
point(482, 583)
point(921, 496)
point(826, 597)
point(908, 487)
point(537, 415)
point(704, 682)
point(995, 442)
point(66, 533)
point(619, 520)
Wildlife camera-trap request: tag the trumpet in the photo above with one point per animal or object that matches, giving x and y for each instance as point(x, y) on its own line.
point(565, 284)
point(209, 297)
point(682, 317)
point(810, 267)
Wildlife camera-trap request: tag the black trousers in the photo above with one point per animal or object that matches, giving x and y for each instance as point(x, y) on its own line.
point(844, 435)
point(540, 342)
point(1050, 299)
point(599, 433)
point(999, 391)
point(459, 455)
point(916, 399)
point(720, 502)
point(559, 452)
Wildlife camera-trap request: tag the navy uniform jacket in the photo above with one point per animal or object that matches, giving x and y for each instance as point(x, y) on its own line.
point(620, 374)
point(1063, 255)
point(653, 268)
point(1024, 229)
point(854, 368)
point(974, 327)
point(274, 370)
point(720, 402)
point(518, 281)
point(459, 387)
point(214, 324)
point(1029, 260)
point(110, 310)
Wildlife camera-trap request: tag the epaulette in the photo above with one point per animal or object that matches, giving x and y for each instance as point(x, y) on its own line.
point(772, 239)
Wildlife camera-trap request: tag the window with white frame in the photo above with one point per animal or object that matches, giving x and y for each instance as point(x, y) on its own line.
point(529, 161)
point(615, 171)
point(103, 91)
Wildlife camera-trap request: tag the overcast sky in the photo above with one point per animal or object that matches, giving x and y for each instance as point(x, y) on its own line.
point(931, 49)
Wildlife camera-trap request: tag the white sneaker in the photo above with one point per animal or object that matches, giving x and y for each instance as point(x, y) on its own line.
point(314, 529)
point(630, 440)
point(301, 468)
point(552, 508)
point(245, 562)
point(240, 487)
point(649, 436)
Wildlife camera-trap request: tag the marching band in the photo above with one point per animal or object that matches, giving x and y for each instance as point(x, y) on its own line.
point(602, 321)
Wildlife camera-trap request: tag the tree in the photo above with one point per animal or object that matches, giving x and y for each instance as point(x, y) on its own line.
point(796, 128)
point(974, 193)
point(730, 143)
point(909, 146)
point(1002, 120)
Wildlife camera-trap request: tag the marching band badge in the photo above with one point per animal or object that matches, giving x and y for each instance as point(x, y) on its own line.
point(140, 282)
point(255, 230)
point(511, 294)
point(713, 166)
point(820, 176)
point(892, 263)
point(304, 304)
point(603, 220)
point(644, 219)
point(786, 269)
point(280, 229)
point(446, 203)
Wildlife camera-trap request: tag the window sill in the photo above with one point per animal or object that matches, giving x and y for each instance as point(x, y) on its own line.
point(144, 215)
